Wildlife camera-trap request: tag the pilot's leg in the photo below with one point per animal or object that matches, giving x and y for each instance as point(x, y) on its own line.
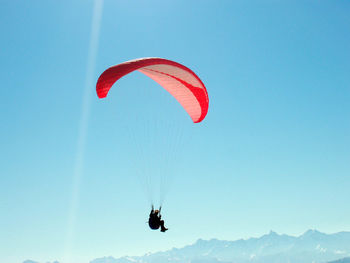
point(162, 227)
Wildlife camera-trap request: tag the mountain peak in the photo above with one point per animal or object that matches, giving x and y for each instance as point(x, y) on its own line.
point(200, 241)
point(312, 232)
point(272, 233)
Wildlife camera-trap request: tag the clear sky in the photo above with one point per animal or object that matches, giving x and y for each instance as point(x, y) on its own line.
point(272, 154)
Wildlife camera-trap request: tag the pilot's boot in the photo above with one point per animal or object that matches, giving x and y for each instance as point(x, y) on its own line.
point(163, 229)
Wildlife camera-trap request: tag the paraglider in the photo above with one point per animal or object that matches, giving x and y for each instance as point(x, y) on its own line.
point(155, 222)
point(178, 80)
point(181, 82)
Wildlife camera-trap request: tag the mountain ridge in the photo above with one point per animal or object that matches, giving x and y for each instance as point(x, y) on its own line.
point(311, 246)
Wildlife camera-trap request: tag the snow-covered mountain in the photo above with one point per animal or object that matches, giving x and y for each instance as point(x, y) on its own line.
point(311, 247)
point(343, 260)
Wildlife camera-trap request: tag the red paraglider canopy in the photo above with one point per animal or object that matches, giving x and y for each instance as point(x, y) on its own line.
point(178, 80)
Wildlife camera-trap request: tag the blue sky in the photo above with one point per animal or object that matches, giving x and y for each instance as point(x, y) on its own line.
point(273, 152)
